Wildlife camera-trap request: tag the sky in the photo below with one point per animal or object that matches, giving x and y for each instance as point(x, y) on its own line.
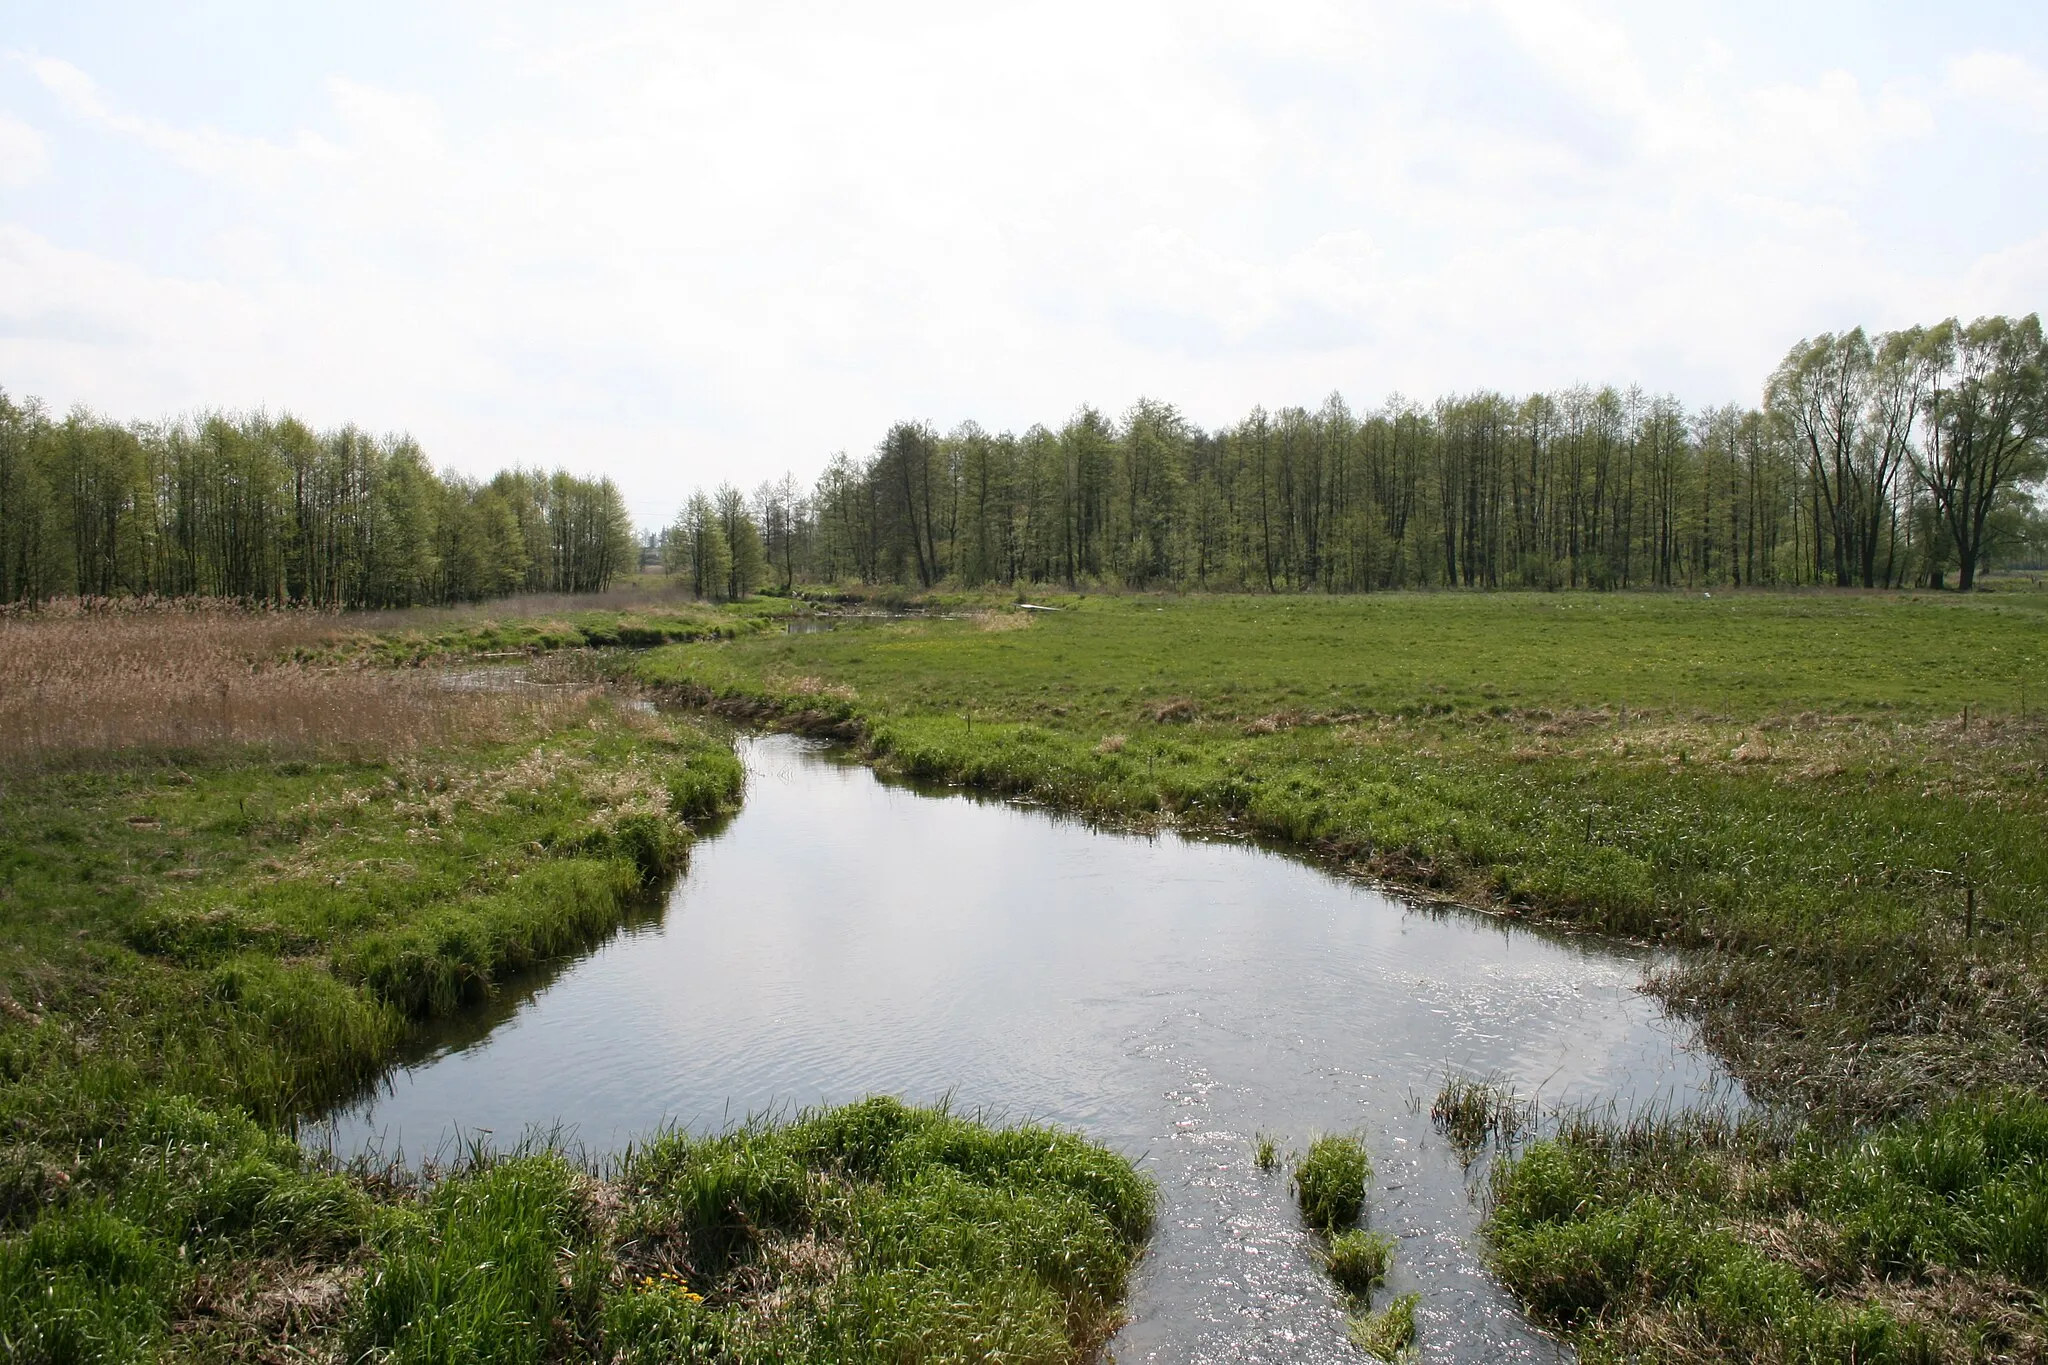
point(680, 244)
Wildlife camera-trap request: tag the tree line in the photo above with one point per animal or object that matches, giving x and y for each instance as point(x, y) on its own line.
point(1873, 461)
point(267, 510)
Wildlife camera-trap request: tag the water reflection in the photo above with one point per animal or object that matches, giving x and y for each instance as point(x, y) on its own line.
point(1172, 997)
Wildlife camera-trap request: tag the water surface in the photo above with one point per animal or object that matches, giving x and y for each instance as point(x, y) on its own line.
point(842, 937)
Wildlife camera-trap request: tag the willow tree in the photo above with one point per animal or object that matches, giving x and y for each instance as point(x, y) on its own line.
point(1987, 416)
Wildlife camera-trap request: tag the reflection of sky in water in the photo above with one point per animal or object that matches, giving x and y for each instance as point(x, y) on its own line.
point(841, 937)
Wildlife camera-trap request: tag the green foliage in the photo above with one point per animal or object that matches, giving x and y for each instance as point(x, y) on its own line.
point(908, 1233)
point(475, 1275)
point(1266, 1152)
point(1839, 480)
point(430, 965)
point(1471, 1110)
point(1330, 1182)
point(1609, 1223)
point(485, 631)
point(1389, 1333)
point(265, 510)
point(1967, 1186)
point(195, 1175)
point(83, 1287)
point(1358, 1260)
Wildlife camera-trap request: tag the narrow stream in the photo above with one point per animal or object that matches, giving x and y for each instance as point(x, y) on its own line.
point(842, 937)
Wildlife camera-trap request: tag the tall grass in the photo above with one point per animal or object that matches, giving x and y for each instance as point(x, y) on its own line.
point(178, 677)
point(1471, 1111)
point(1388, 1334)
point(1694, 1237)
point(1357, 1261)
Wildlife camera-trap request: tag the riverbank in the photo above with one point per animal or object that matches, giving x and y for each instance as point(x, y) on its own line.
point(1833, 804)
point(225, 904)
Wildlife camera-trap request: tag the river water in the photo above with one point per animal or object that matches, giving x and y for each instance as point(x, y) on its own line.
point(842, 937)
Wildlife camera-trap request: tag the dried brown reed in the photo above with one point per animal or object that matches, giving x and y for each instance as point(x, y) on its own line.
point(87, 678)
point(637, 596)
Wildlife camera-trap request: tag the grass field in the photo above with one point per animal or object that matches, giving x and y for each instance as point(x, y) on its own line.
point(241, 857)
point(1834, 804)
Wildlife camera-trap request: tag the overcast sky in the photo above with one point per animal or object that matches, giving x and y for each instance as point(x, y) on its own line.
point(685, 243)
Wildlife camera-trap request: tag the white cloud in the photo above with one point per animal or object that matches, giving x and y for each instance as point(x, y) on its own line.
point(687, 244)
point(2006, 82)
point(24, 153)
point(206, 150)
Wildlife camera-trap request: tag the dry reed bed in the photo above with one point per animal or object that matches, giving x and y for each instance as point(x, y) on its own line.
point(83, 679)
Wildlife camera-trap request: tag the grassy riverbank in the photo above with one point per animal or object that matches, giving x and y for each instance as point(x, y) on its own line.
point(1679, 1238)
point(1833, 802)
point(225, 902)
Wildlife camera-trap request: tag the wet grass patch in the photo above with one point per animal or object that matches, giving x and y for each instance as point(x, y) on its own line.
point(1330, 1182)
point(1473, 1111)
point(1357, 1260)
point(876, 1232)
point(1832, 805)
point(1684, 1236)
point(1387, 1334)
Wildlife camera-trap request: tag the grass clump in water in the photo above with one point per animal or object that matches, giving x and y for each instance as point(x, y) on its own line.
point(1389, 1333)
point(1470, 1111)
point(1358, 1260)
point(1266, 1152)
point(1329, 1183)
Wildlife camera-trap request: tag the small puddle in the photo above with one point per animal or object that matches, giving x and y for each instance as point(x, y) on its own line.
point(843, 936)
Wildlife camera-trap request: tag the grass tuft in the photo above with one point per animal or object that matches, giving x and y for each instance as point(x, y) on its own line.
point(1358, 1260)
point(1389, 1333)
point(1329, 1182)
point(1266, 1152)
point(1470, 1111)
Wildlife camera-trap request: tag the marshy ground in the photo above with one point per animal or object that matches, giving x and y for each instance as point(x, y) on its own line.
point(243, 855)
point(1833, 804)
point(244, 859)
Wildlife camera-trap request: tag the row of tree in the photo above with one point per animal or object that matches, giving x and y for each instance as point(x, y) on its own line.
point(1873, 461)
point(265, 509)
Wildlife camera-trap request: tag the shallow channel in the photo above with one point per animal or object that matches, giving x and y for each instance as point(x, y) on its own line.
point(843, 936)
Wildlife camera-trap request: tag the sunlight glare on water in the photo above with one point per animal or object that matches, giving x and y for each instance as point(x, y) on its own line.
point(843, 937)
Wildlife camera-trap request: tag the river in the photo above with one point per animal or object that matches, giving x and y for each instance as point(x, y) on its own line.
point(843, 936)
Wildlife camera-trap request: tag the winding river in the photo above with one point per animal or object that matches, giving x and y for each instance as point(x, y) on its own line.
point(843, 936)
